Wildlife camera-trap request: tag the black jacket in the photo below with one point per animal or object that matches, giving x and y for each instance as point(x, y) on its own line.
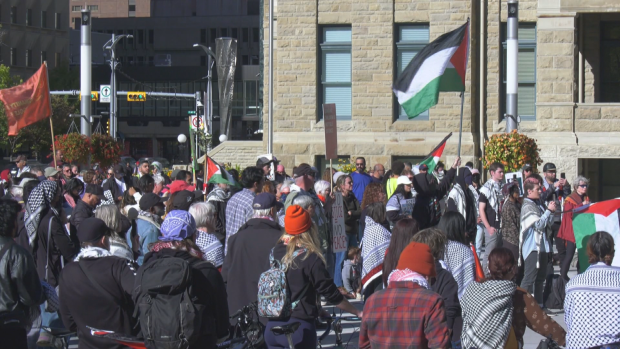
point(61, 246)
point(81, 211)
point(446, 286)
point(20, 287)
point(470, 202)
point(309, 272)
point(207, 279)
point(111, 185)
point(84, 304)
point(248, 257)
point(351, 222)
point(554, 193)
point(220, 224)
point(426, 209)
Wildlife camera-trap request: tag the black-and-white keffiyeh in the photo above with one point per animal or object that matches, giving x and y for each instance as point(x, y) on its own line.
point(92, 252)
point(375, 242)
point(592, 307)
point(109, 199)
point(493, 191)
point(459, 261)
point(120, 248)
point(487, 314)
point(218, 194)
point(530, 214)
point(211, 248)
point(39, 199)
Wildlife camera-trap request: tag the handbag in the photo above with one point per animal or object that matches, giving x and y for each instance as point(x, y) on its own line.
point(51, 307)
point(548, 343)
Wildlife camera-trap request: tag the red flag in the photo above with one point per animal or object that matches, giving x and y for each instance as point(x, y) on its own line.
point(479, 274)
point(27, 103)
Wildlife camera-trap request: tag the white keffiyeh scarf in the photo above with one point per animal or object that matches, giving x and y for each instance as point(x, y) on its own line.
point(211, 248)
point(459, 261)
point(530, 214)
point(493, 191)
point(375, 242)
point(92, 252)
point(408, 275)
point(487, 314)
point(40, 198)
point(592, 307)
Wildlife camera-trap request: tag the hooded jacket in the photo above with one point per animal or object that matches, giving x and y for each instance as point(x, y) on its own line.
point(426, 209)
point(465, 200)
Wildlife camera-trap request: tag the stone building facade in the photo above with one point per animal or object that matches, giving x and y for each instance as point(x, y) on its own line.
point(569, 82)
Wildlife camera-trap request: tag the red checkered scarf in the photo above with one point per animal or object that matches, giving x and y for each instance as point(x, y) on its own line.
point(408, 275)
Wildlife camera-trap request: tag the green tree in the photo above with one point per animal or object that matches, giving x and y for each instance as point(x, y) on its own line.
point(7, 81)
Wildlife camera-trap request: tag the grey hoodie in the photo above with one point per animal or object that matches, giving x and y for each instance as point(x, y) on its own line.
point(351, 276)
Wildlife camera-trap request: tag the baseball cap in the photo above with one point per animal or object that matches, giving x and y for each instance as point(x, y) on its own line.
point(95, 190)
point(403, 180)
point(179, 185)
point(149, 200)
point(337, 175)
point(549, 167)
point(303, 169)
point(263, 161)
point(183, 200)
point(91, 229)
point(528, 167)
point(118, 169)
point(50, 172)
point(20, 158)
point(423, 167)
point(265, 201)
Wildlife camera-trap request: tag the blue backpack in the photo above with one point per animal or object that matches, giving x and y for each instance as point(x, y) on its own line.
point(274, 301)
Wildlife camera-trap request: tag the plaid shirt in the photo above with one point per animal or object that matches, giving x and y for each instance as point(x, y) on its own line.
point(238, 211)
point(405, 315)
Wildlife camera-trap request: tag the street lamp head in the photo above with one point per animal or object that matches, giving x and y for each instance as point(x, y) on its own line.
point(182, 138)
point(223, 138)
point(196, 45)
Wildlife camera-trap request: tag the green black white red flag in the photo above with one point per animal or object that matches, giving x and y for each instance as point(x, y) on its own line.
point(439, 67)
point(433, 158)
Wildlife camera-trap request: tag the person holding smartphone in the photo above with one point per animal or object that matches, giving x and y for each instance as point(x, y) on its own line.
point(554, 189)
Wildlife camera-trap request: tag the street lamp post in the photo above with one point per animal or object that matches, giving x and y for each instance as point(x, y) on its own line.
point(209, 93)
point(182, 139)
point(113, 105)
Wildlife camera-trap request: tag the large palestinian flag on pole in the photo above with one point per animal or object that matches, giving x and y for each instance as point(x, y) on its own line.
point(217, 174)
point(433, 158)
point(600, 216)
point(440, 66)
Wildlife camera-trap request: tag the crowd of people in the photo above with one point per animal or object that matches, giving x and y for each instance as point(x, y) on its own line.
point(168, 260)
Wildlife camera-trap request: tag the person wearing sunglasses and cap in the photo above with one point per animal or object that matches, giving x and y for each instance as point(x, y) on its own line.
point(566, 234)
point(554, 189)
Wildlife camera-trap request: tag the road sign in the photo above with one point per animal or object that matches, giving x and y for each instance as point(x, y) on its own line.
point(105, 91)
point(94, 96)
point(197, 122)
point(191, 112)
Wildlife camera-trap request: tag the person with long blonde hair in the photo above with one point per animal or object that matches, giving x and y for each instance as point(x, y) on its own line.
point(307, 276)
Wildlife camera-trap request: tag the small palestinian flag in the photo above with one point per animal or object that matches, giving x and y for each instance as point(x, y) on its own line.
point(433, 158)
point(587, 220)
point(217, 174)
point(440, 66)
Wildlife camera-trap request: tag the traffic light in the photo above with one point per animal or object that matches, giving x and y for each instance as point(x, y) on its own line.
point(136, 96)
point(107, 126)
point(94, 96)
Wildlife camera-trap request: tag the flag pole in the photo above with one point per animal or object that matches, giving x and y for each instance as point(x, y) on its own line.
point(463, 96)
point(204, 182)
point(47, 73)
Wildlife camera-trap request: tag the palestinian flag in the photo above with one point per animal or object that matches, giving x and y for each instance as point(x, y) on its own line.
point(587, 220)
point(440, 66)
point(217, 174)
point(433, 158)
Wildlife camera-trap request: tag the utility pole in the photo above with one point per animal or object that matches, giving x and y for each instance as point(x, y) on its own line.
point(85, 73)
point(110, 45)
point(512, 53)
point(209, 93)
point(270, 126)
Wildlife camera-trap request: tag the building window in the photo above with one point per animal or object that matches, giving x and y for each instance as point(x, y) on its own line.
point(224, 32)
point(132, 11)
point(58, 23)
point(151, 61)
point(13, 56)
point(245, 60)
point(93, 7)
point(253, 7)
point(234, 33)
point(203, 36)
point(77, 22)
point(140, 61)
point(130, 40)
point(29, 17)
point(213, 35)
point(255, 35)
point(254, 60)
point(28, 58)
point(411, 39)
point(610, 62)
point(140, 36)
point(151, 36)
point(251, 98)
point(526, 104)
point(43, 19)
point(321, 163)
point(336, 70)
point(43, 57)
point(14, 14)
point(245, 34)
point(77, 8)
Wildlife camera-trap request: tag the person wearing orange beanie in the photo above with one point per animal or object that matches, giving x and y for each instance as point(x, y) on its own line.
point(297, 220)
point(419, 321)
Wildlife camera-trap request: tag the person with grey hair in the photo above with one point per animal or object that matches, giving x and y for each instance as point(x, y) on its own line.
point(322, 189)
point(118, 224)
point(566, 234)
point(204, 214)
point(160, 181)
point(248, 253)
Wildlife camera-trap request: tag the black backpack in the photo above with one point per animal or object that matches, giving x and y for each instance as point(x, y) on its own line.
point(165, 305)
point(555, 300)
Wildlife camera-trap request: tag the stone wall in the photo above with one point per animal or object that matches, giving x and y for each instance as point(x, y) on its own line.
point(242, 153)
